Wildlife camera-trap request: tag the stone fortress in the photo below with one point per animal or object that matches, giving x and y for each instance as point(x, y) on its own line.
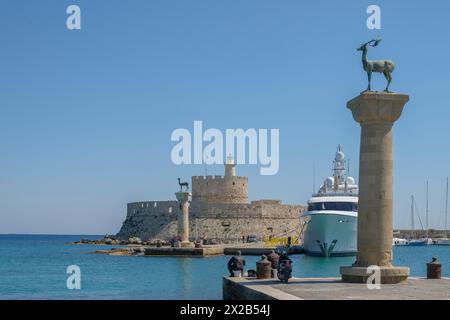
point(219, 210)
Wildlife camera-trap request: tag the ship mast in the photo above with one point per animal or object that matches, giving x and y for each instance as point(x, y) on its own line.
point(340, 182)
point(412, 212)
point(314, 168)
point(339, 168)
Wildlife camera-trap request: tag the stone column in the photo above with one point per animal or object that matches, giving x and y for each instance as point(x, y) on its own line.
point(183, 218)
point(376, 112)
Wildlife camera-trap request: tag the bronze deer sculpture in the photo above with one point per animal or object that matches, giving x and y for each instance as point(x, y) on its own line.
point(386, 67)
point(183, 184)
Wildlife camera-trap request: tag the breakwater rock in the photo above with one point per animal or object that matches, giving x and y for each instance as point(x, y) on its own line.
point(130, 251)
point(111, 240)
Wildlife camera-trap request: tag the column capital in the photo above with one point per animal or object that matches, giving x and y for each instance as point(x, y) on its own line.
point(182, 196)
point(377, 107)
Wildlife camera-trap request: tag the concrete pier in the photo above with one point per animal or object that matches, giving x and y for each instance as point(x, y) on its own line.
point(376, 112)
point(333, 289)
point(183, 219)
point(208, 250)
point(184, 251)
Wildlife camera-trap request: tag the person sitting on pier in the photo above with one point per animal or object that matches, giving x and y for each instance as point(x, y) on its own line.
point(284, 268)
point(236, 264)
point(285, 258)
point(274, 258)
point(174, 241)
point(205, 239)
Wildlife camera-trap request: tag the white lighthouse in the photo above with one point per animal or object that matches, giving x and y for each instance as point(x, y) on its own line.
point(230, 167)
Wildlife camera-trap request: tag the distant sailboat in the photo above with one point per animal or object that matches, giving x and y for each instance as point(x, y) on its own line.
point(401, 241)
point(427, 239)
point(445, 241)
point(424, 241)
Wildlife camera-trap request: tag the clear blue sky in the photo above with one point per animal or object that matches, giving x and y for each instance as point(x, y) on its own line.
point(86, 116)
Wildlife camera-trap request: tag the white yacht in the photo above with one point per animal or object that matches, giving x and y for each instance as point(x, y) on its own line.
point(329, 224)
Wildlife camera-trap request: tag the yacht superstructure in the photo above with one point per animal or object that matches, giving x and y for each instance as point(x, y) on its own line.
point(331, 219)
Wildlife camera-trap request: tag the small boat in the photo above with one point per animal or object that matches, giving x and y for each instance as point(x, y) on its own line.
point(399, 242)
point(420, 242)
point(423, 241)
point(442, 242)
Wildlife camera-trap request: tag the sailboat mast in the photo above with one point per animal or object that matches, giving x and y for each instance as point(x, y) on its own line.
point(426, 217)
point(446, 208)
point(412, 212)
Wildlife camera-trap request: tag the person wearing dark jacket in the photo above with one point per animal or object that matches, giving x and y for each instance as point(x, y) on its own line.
point(274, 258)
point(236, 263)
point(285, 258)
point(284, 268)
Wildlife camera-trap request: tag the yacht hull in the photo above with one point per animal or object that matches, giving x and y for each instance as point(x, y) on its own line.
point(421, 242)
point(330, 234)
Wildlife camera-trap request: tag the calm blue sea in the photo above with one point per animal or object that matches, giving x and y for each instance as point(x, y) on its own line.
point(34, 267)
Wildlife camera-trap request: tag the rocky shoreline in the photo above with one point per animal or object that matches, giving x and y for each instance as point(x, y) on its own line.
point(110, 240)
point(130, 251)
point(132, 247)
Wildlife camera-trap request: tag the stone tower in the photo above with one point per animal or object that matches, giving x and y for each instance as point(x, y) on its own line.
point(220, 189)
point(230, 167)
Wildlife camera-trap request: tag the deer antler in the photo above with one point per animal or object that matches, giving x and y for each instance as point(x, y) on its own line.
point(373, 42)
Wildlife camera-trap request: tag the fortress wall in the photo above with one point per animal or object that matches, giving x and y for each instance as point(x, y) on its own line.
point(231, 230)
point(146, 207)
point(256, 209)
point(219, 189)
point(224, 210)
point(150, 220)
point(281, 211)
point(225, 223)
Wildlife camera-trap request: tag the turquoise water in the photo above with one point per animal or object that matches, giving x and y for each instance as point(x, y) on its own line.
point(34, 267)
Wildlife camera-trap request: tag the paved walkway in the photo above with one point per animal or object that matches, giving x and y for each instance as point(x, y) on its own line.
point(335, 289)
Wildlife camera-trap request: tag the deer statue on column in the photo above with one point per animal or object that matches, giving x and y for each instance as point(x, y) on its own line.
point(183, 184)
point(386, 67)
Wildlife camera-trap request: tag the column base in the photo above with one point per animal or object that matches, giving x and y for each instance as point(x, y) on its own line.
point(388, 275)
point(187, 244)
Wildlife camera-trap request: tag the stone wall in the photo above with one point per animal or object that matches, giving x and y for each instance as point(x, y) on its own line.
point(221, 222)
point(219, 189)
point(150, 220)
